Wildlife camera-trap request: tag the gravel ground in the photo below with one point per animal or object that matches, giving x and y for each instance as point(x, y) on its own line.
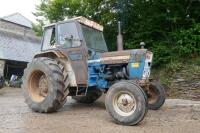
point(176, 116)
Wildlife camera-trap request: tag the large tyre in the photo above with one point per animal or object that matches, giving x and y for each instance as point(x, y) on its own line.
point(89, 98)
point(126, 103)
point(156, 95)
point(44, 85)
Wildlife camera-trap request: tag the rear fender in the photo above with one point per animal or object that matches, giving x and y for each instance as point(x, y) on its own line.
point(64, 61)
point(50, 54)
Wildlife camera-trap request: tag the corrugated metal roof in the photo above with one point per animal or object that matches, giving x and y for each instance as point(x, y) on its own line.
point(17, 18)
point(18, 47)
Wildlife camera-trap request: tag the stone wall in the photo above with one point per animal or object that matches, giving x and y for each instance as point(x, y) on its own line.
point(186, 83)
point(2, 64)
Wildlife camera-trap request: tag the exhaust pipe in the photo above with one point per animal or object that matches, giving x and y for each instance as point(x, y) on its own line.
point(119, 38)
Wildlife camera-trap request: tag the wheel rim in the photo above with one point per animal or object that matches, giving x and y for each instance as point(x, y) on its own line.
point(124, 103)
point(152, 95)
point(38, 86)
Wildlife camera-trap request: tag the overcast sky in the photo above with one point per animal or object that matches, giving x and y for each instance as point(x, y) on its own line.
point(25, 7)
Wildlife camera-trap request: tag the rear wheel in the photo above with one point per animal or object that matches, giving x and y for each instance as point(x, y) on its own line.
point(89, 98)
point(44, 85)
point(126, 103)
point(156, 95)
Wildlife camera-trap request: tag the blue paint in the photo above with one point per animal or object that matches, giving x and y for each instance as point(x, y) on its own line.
point(102, 84)
point(96, 76)
point(136, 65)
point(136, 72)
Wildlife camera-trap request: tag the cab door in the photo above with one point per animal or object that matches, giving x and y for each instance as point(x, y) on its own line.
point(70, 42)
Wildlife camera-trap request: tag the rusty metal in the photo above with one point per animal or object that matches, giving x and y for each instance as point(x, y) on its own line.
point(81, 20)
point(77, 56)
point(116, 53)
point(89, 23)
point(143, 83)
point(37, 82)
point(124, 56)
point(51, 53)
point(115, 57)
point(43, 86)
point(79, 64)
point(124, 103)
point(152, 95)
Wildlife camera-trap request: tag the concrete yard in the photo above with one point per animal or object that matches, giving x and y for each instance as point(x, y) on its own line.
point(176, 116)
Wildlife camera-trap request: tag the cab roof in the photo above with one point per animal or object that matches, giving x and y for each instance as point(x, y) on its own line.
point(83, 21)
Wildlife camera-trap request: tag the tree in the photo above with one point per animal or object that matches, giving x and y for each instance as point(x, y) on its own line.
point(153, 21)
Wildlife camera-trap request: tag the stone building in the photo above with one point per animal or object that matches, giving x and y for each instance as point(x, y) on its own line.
point(18, 44)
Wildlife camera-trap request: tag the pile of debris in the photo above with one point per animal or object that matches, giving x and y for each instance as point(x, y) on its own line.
point(14, 81)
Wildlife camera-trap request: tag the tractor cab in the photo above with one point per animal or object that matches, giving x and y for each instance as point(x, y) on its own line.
point(80, 40)
point(76, 33)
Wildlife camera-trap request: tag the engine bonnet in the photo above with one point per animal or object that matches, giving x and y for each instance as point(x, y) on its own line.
point(125, 56)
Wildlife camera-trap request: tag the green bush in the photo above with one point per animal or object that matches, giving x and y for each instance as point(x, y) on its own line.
point(188, 41)
point(185, 44)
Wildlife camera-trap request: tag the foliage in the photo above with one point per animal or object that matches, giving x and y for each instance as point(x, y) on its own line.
point(38, 27)
point(169, 28)
point(188, 41)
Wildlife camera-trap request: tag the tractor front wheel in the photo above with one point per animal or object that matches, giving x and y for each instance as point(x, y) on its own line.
point(44, 85)
point(156, 95)
point(126, 103)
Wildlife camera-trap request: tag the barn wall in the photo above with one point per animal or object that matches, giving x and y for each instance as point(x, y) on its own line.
point(16, 29)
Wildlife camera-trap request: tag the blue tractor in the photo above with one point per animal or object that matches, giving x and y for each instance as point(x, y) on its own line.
point(75, 62)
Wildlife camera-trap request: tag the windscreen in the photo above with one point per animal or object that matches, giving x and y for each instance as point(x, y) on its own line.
point(68, 35)
point(94, 38)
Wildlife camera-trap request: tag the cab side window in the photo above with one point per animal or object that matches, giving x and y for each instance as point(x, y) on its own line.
point(49, 39)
